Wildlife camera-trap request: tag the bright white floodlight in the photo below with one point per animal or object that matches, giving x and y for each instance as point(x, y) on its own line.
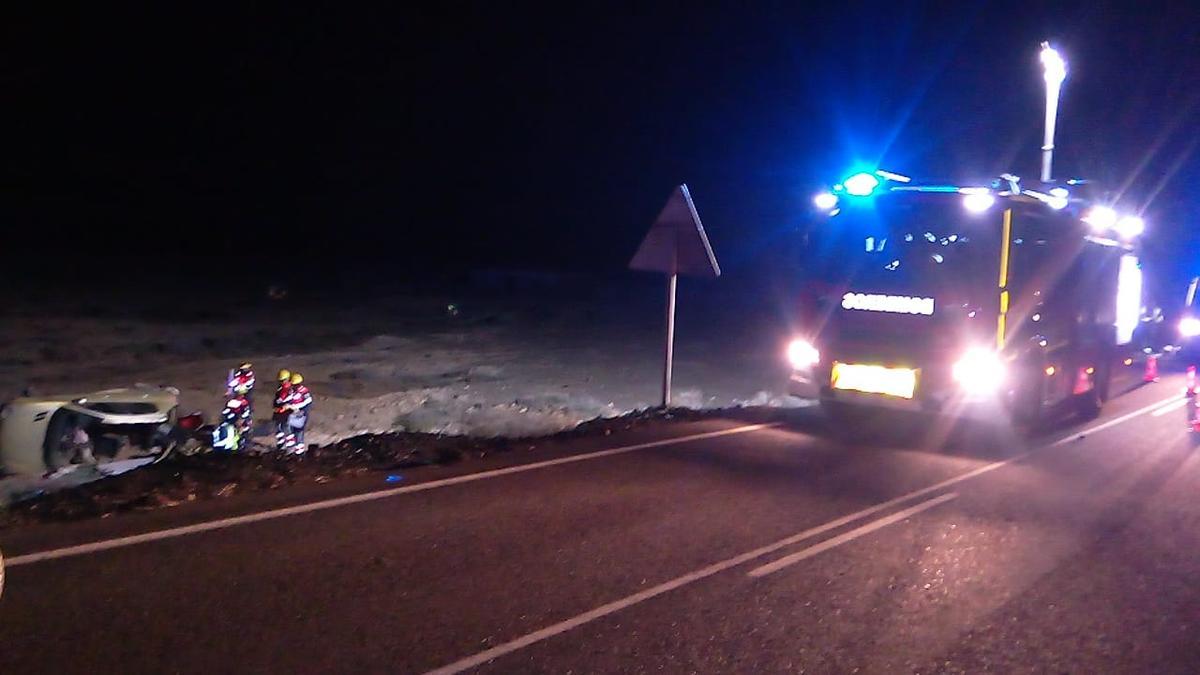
point(1101, 218)
point(978, 202)
point(1130, 227)
point(1053, 65)
point(1054, 70)
point(825, 200)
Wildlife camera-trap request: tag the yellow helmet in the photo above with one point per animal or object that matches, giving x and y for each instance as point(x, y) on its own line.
point(285, 375)
point(246, 366)
point(297, 378)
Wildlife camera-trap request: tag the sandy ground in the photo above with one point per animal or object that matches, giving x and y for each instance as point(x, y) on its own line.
point(497, 362)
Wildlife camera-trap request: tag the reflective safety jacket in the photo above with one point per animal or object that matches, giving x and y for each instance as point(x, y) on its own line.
point(226, 437)
point(282, 397)
point(299, 398)
point(241, 381)
point(236, 407)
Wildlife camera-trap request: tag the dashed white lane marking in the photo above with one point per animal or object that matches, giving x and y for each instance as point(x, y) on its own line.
point(834, 542)
point(96, 546)
point(602, 611)
point(1169, 408)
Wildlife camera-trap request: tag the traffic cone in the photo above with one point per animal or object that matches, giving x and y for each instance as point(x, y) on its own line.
point(1151, 374)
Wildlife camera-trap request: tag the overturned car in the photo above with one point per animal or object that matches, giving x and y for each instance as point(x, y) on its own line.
point(40, 434)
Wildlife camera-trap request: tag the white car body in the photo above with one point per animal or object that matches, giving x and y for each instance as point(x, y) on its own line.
point(25, 421)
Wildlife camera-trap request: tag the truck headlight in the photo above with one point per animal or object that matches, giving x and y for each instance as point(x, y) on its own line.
point(979, 371)
point(1189, 327)
point(802, 354)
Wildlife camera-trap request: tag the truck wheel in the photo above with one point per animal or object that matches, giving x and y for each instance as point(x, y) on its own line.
point(1089, 404)
point(841, 419)
point(991, 438)
point(1104, 380)
point(1029, 408)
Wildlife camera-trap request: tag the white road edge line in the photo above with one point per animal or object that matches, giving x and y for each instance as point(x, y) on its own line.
point(104, 545)
point(628, 601)
point(1169, 408)
point(834, 542)
point(1111, 423)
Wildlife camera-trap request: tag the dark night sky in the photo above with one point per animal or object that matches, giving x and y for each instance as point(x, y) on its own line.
point(380, 143)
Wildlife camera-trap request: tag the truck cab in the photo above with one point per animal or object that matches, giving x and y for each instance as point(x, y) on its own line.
point(978, 301)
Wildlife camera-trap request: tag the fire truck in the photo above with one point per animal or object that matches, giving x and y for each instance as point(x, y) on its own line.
point(1000, 299)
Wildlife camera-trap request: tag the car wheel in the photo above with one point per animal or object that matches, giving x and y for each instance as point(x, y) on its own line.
point(54, 454)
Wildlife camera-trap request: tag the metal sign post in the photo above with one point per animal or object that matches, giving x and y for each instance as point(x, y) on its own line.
point(669, 351)
point(676, 244)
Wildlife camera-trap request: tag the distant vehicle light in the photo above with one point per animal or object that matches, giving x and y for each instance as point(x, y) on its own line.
point(1101, 218)
point(1050, 371)
point(825, 201)
point(860, 184)
point(978, 202)
point(802, 354)
point(1130, 227)
point(1189, 327)
point(979, 371)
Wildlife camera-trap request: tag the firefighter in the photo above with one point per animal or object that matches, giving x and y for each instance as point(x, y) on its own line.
point(298, 403)
point(228, 436)
point(241, 383)
point(279, 410)
point(241, 387)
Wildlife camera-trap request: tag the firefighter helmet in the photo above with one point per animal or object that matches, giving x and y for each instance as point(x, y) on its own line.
point(285, 375)
point(297, 378)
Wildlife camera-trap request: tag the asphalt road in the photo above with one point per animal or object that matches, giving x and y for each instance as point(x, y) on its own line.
point(761, 549)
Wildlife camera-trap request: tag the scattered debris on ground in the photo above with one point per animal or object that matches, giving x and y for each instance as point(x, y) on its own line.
point(180, 479)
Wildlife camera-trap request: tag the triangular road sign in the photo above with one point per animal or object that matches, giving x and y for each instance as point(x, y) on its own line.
point(676, 243)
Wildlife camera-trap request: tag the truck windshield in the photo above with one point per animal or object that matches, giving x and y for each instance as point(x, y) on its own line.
point(906, 244)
